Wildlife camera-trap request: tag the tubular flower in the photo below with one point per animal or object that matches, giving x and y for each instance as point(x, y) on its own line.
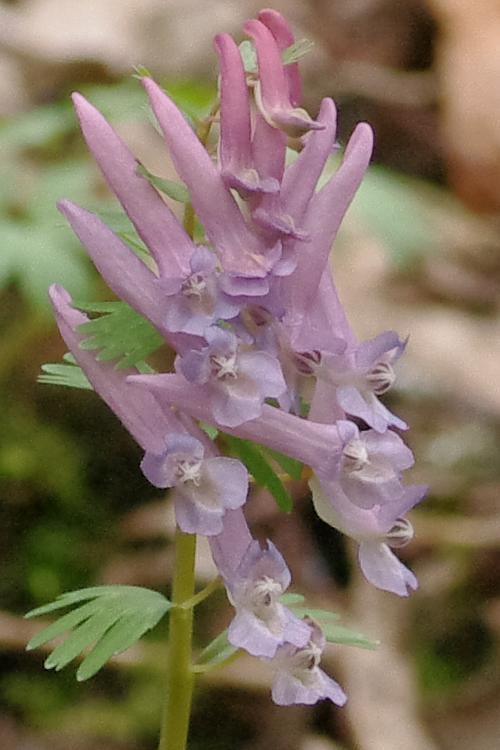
point(298, 678)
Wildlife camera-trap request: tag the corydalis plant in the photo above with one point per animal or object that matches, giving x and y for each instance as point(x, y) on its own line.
point(252, 313)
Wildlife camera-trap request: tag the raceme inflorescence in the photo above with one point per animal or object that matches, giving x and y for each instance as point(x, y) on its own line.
point(242, 291)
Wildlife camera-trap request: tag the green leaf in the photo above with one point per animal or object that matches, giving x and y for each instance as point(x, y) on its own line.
point(261, 470)
point(209, 429)
point(218, 651)
point(68, 374)
point(119, 334)
point(347, 637)
point(290, 599)
point(107, 619)
point(321, 615)
point(291, 54)
point(292, 467)
point(194, 98)
point(296, 51)
point(175, 190)
point(333, 632)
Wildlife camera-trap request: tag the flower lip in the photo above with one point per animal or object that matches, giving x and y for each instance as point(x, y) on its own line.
point(380, 377)
point(188, 470)
point(224, 366)
point(400, 534)
point(194, 286)
point(355, 456)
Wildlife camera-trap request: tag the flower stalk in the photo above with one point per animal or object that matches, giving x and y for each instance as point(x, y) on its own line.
point(180, 677)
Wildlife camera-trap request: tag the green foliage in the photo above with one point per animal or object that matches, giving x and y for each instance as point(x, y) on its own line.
point(333, 632)
point(175, 190)
point(35, 250)
point(217, 653)
point(209, 429)
point(119, 334)
point(297, 51)
point(291, 54)
point(195, 98)
point(290, 465)
point(261, 470)
point(68, 374)
point(111, 619)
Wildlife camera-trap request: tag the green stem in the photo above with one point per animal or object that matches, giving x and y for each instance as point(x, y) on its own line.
point(180, 678)
point(203, 594)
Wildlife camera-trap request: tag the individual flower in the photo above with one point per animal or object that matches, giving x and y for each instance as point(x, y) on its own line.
point(194, 300)
point(141, 413)
point(262, 623)
point(315, 444)
point(363, 373)
point(370, 466)
point(272, 91)
point(376, 530)
point(236, 381)
point(298, 677)
point(241, 252)
point(204, 488)
point(237, 163)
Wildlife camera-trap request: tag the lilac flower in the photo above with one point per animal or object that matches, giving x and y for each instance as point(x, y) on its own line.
point(241, 252)
point(376, 530)
point(316, 445)
point(204, 487)
point(323, 213)
point(124, 272)
point(194, 300)
point(298, 678)
point(284, 38)
point(238, 169)
point(370, 466)
point(262, 623)
point(363, 373)
point(268, 250)
point(272, 91)
point(237, 382)
point(140, 412)
point(170, 246)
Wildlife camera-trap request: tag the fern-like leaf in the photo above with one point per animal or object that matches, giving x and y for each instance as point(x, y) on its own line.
point(119, 334)
point(107, 619)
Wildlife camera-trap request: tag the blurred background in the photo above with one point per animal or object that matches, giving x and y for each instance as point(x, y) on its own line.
point(419, 253)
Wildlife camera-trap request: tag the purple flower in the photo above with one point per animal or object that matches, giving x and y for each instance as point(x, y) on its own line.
point(362, 374)
point(376, 530)
point(272, 92)
point(155, 223)
point(204, 487)
point(284, 38)
point(124, 272)
point(240, 251)
point(236, 381)
point(194, 300)
point(324, 210)
point(262, 623)
point(238, 168)
point(298, 677)
point(316, 445)
point(139, 411)
point(370, 466)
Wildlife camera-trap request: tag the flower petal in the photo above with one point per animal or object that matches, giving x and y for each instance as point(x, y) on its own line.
point(154, 221)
